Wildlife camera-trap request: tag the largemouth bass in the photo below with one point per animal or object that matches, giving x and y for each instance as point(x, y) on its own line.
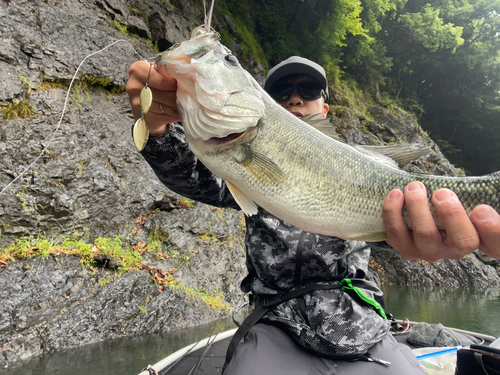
point(271, 158)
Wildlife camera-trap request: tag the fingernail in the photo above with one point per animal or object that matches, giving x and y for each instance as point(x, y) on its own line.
point(394, 194)
point(443, 195)
point(416, 186)
point(484, 213)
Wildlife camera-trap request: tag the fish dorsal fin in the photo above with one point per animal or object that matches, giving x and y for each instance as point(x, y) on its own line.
point(494, 174)
point(402, 154)
point(386, 160)
point(246, 204)
point(322, 124)
point(260, 167)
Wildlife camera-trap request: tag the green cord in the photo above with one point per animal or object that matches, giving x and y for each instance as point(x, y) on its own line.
point(346, 285)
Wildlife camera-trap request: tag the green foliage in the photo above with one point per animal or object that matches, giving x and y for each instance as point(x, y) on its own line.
point(155, 241)
point(344, 19)
point(427, 28)
point(226, 38)
point(459, 91)
point(27, 247)
point(245, 28)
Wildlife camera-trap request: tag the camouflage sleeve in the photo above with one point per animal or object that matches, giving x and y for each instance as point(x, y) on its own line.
point(382, 246)
point(182, 172)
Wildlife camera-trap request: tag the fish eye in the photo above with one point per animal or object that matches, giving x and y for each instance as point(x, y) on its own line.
point(231, 59)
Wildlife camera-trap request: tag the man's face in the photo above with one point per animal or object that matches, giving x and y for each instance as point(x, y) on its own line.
point(299, 106)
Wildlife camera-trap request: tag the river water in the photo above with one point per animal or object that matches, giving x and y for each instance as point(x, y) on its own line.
point(476, 310)
point(464, 308)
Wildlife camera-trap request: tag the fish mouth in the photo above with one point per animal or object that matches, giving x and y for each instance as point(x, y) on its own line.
point(227, 138)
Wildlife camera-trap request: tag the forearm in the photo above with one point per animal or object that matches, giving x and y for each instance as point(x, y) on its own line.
point(178, 169)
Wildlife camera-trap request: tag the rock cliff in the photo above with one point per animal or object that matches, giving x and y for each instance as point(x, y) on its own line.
point(90, 183)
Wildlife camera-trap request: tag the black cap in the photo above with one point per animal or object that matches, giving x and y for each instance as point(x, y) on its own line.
point(297, 65)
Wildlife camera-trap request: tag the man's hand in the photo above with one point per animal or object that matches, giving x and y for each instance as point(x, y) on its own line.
point(164, 92)
point(425, 241)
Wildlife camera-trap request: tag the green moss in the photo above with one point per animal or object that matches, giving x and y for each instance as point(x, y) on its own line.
point(104, 281)
point(18, 109)
point(53, 83)
point(155, 241)
point(26, 81)
point(184, 202)
point(27, 247)
point(352, 95)
point(88, 82)
point(215, 300)
point(226, 38)
point(85, 83)
point(251, 48)
point(115, 247)
point(123, 29)
point(153, 45)
point(168, 4)
point(81, 166)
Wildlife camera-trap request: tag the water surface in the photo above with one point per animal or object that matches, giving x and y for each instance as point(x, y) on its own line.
point(464, 308)
point(126, 356)
point(469, 309)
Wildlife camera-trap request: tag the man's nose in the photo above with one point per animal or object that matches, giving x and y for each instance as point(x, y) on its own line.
point(295, 99)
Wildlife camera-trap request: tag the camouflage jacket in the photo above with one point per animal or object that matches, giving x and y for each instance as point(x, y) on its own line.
point(330, 322)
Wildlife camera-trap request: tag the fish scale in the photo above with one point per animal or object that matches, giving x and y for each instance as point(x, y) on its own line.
point(271, 158)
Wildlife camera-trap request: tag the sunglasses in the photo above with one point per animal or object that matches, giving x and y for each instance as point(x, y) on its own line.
point(307, 90)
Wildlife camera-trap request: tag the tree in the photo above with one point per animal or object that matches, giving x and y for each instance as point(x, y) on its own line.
point(446, 58)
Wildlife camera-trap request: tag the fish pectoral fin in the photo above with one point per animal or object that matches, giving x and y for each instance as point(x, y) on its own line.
point(246, 204)
point(263, 169)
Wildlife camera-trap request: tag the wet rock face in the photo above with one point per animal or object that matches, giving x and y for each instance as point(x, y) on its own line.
point(471, 271)
point(90, 179)
point(86, 178)
point(56, 303)
point(91, 182)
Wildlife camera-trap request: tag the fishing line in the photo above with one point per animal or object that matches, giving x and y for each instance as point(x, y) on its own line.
point(196, 368)
point(64, 107)
point(208, 20)
point(171, 366)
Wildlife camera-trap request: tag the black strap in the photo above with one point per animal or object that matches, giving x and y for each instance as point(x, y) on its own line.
point(260, 311)
point(298, 259)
